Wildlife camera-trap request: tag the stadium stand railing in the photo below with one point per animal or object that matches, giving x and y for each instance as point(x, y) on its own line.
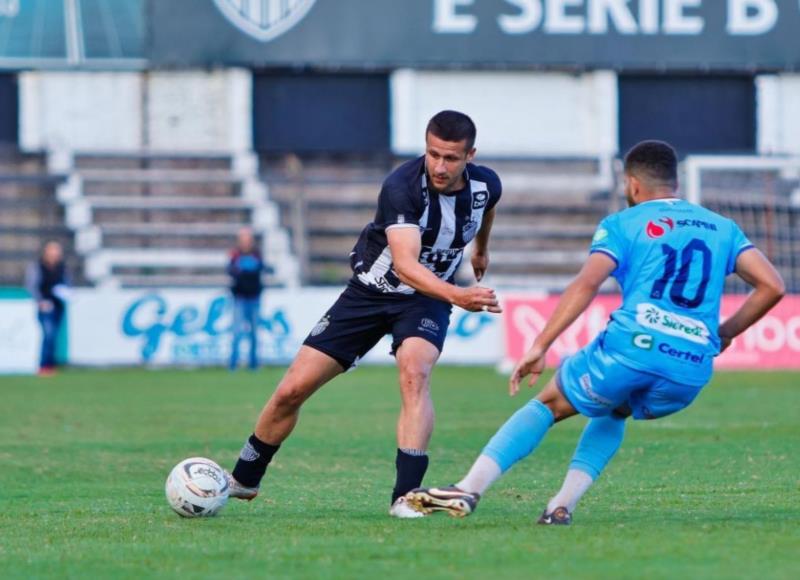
point(762, 194)
point(146, 219)
point(30, 216)
point(544, 223)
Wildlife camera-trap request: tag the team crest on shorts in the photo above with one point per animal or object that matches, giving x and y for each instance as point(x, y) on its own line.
point(320, 327)
point(264, 19)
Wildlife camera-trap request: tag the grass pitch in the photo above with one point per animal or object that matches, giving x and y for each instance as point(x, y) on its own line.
point(709, 493)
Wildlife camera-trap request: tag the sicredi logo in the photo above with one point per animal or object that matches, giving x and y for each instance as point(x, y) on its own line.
point(651, 316)
point(264, 20)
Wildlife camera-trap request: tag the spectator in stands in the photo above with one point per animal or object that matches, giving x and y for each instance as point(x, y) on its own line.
point(48, 283)
point(245, 269)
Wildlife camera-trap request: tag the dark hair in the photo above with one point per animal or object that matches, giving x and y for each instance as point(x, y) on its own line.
point(453, 126)
point(654, 161)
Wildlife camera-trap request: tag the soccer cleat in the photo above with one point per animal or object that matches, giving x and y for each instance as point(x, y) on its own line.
point(558, 517)
point(401, 509)
point(450, 499)
point(239, 491)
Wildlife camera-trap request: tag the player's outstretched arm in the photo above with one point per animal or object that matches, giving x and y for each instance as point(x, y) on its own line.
point(768, 288)
point(480, 254)
point(574, 301)
point(405, 245)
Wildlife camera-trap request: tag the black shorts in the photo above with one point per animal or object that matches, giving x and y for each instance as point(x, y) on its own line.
point(361, 317)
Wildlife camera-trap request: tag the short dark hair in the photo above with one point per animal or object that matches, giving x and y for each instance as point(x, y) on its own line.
point(653, 161)
point(453, 126)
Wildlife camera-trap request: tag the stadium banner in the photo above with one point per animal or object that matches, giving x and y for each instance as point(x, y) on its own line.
point(772, 343)
point(618, 34)
point(20, 336)
point(193, 328)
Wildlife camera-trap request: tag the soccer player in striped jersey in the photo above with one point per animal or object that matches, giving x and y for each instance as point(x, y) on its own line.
point(671, 258)
point(404, 265)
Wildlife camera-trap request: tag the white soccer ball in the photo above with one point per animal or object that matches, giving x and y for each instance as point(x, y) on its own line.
point(197, 487)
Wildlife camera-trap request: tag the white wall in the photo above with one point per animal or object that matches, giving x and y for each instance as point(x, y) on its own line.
point(517, 113)
point(80, 110)
point(200, 110)
point(778, 102)
point(100, 111)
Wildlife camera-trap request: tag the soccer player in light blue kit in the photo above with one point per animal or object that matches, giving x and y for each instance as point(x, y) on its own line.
point(671, 258)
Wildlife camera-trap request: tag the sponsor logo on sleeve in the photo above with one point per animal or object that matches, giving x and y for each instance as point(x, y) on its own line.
point(600, 235)
point(480, 199)
point(685, 327)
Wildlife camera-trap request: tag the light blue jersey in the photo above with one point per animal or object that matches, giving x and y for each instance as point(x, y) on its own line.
point(672, 259)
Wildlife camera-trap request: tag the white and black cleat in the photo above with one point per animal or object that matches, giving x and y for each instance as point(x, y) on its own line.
point(401, 509)
point(239, 491)
point(451, 500)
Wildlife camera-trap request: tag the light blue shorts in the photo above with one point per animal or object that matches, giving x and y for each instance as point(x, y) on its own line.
point(597, 385)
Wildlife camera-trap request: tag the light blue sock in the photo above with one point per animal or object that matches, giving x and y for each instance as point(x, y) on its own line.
point(600, 440)
point(520, 435)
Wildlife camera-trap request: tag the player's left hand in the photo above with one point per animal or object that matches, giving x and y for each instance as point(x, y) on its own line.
point(480, 263)
point(530, 364)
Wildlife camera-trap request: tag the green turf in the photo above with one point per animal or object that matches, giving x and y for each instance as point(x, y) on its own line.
point(709, 493)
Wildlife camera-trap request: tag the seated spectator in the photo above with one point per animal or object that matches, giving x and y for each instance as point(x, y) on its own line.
point(48, 283)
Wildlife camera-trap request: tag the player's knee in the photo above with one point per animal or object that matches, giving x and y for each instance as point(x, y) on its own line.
point(414, 378)
point(560, 408)
point(290, 395)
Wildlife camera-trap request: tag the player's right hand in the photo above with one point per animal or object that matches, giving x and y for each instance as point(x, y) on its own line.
point(477, 298)
point(530, 364)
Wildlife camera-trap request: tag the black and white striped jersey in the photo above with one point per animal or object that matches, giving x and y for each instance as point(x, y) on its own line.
point(448, 222)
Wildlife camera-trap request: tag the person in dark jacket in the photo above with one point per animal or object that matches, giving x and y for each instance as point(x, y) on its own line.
point(245, 269)
point(48, 283)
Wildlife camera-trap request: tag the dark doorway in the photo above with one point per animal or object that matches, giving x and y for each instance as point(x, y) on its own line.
point(696, 114)
point(312, 113)
point(9, 110)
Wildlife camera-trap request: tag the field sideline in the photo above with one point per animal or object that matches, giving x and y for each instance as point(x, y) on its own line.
point(711, 492)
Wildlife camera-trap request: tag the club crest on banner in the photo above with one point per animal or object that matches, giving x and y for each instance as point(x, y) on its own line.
point(264, 20)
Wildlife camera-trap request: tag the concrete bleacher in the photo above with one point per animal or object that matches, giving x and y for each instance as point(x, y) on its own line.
point(30, 215)
point(149, 220)
point(544, 224)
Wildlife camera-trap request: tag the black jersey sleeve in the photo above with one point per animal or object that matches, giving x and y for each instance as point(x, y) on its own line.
point(495, 188)
point(397, 205)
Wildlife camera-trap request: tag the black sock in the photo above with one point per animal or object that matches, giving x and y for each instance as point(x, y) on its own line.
point(253, 461)
point(410, 471)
